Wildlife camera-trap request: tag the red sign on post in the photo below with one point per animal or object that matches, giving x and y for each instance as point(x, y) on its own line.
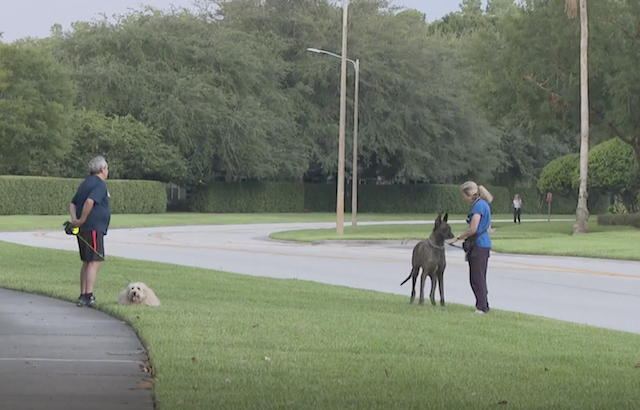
point(549, 197)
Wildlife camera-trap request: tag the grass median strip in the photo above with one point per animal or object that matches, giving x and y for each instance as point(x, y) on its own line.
point(35, 222)
point(535, 238)
point(223, 340)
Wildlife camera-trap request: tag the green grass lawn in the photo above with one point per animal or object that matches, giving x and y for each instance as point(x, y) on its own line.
point(536, 238)
point(223, 340)
point(33, 222)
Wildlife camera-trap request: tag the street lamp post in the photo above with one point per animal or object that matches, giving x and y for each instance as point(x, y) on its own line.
point(354, 171)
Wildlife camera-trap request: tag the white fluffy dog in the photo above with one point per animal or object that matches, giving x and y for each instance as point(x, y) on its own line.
point(138, 293)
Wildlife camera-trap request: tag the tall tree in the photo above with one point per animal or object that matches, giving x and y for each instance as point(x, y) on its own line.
point(36, 103)
point(582, 210)
point(417, 122)
point(210, 90)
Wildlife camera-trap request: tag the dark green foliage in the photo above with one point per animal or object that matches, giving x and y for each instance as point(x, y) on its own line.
point(193, 96)
point(249, 197)
point(559, 176)
point(238, 95)
point(137, 197)
point(567, 204)
point(36, 99)
point(613, 169)
point(322, 197)
point(425, 199)
point(211, 91)
point(274, 197)
point(619, 219)
point(530, 69)
point(51, 196)
point(523, 158)
point(133, 149)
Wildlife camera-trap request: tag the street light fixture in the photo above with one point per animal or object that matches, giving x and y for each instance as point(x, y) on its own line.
point(354, 171)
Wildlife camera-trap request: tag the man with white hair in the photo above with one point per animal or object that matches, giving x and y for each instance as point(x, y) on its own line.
point(90, 212)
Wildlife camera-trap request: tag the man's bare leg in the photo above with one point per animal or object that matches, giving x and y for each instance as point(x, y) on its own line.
point(83, 278)
point(90, 278)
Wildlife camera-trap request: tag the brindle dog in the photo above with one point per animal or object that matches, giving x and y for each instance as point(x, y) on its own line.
point(430, 256)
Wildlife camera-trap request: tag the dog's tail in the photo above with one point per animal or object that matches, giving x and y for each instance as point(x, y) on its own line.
point(413, 272)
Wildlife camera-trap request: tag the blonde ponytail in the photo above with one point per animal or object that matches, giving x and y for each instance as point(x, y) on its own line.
point(485, 194)
point(473, 190)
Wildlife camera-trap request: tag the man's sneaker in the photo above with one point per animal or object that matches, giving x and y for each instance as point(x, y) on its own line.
point(91, 301)
point(84, 301)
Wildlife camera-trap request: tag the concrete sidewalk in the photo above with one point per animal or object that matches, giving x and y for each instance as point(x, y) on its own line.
point(57, 356)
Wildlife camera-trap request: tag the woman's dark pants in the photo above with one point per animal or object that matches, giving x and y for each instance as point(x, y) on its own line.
point(516, 214)
point(478, 261)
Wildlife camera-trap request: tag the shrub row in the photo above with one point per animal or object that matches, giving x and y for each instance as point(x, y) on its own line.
point(50, 196)
point(609, 219)
point(424, 199)
point(274, 197)
point(249, 197)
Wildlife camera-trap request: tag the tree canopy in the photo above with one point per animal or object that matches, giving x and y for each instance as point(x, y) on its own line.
point(229, 91)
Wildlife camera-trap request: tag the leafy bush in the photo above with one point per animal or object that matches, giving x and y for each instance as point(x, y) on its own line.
point(51, 196)
point(613, 169)
point(561, 177)
point(558, 176)
point(619, 219)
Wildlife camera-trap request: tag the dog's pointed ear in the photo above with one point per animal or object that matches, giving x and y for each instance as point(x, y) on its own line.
point(446, 217)
point(439, 219)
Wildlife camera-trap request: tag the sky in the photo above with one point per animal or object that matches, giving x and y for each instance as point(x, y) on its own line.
point(34, 18)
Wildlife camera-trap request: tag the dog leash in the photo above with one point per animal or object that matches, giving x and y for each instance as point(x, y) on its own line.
point(75, 231)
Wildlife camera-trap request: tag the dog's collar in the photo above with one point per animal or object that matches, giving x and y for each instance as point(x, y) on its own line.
point(434, 245)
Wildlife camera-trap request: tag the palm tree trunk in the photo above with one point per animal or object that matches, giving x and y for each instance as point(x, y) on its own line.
point(582, 211)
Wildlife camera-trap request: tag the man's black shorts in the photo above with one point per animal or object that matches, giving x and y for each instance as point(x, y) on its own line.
point(92, 247)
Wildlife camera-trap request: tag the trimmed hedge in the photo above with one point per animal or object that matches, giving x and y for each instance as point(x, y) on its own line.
point(619, 220)
point(424, 198)
point(249, 197)
point(276, 197)
point(21, 195)
point(50, 196)
point(322, 197)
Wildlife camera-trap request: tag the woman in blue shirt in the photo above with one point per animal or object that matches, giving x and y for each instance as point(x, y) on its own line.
point(479, 223)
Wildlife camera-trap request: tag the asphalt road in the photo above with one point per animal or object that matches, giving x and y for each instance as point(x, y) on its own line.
point(598, 292)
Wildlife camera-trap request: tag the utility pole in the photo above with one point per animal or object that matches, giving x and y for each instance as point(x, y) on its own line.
point(354, 172)
point(343, 120)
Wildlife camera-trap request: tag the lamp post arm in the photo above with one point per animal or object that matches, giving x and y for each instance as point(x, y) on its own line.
point(316, 50)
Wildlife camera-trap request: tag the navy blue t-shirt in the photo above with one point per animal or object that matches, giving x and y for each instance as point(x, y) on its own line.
point(100, 216)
